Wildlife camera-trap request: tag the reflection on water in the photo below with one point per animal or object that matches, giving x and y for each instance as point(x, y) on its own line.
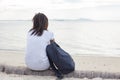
point(76, 37)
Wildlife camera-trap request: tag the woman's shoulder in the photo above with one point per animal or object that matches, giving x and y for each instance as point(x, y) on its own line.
point(29, 32)
point(48, 32)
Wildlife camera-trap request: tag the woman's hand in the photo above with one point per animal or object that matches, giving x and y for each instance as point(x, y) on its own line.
point(52, 40)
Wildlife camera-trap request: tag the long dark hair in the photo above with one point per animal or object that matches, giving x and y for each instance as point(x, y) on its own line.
point(40, 23)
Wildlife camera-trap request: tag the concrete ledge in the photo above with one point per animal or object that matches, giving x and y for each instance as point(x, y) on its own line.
point(76, 74)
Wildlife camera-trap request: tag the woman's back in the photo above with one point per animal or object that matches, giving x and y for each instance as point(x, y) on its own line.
point(36, 58)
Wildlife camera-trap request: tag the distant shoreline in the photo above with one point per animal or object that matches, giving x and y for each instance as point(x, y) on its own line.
point(71, 20)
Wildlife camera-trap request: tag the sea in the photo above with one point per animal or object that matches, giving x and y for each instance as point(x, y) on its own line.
point(74, 36)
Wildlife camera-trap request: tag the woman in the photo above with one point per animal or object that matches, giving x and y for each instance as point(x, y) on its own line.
point(37, 39)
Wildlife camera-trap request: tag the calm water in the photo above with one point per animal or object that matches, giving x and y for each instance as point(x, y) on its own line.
point(76, 37)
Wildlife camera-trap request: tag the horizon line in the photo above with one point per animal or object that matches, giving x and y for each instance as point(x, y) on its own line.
point(62, 20)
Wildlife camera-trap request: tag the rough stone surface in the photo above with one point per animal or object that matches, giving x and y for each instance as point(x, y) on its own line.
point(76, 74)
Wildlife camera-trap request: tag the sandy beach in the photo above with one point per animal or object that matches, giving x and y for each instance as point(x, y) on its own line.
point(83, 63)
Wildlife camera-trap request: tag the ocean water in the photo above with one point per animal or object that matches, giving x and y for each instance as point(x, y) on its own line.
point(75, 37)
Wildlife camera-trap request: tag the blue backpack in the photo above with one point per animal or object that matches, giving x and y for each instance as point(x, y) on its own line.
point(60, 61)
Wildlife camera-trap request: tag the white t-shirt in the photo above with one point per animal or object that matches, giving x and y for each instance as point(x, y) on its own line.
point(36, 57)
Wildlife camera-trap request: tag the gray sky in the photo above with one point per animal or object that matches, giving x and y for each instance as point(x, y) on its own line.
point(60, 9)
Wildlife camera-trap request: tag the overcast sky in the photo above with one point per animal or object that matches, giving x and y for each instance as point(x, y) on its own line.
point(60, 9)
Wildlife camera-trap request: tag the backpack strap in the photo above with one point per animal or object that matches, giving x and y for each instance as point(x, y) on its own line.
point(57, 72)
